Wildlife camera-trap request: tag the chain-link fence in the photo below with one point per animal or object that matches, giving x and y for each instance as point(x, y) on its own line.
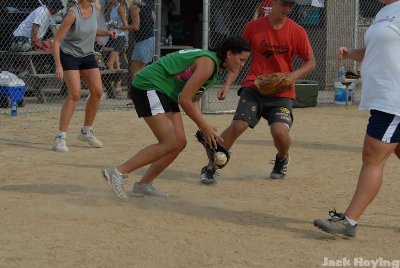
point(329, 24)
point(28, 69)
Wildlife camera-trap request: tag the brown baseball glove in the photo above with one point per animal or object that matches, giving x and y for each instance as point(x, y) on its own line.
point(274, 83)
point(214, 154)
point(352, 75)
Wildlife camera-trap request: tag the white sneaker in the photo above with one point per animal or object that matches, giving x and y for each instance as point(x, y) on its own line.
point(60, 145)
point(116, 181)
point(90, 138)
point(148, 189)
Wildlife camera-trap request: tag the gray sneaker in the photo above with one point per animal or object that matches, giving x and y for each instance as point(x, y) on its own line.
point(90, 138)
point(337, 224)
point(280, 167)
point(116, 181)
point(208, 174)
point(148, 189)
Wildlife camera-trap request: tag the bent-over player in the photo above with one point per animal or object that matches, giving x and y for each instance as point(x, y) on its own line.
point(177, 79)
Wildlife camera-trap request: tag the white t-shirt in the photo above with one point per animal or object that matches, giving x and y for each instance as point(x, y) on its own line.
point(40, 16)
point(381, 65)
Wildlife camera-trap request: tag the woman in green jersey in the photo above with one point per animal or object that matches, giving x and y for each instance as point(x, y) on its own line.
point(178, 79)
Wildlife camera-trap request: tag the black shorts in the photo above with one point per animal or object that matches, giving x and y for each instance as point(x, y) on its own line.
point(384, 127)
point(70, 62)
point(253, 105)
point(117, 44)
point(152, 102)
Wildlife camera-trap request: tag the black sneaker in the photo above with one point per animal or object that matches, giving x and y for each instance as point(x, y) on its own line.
point(280, 167)
point(208, 174)
point(337, 224)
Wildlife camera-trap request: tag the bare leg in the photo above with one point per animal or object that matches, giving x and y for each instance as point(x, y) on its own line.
point(112, 59)
point(282, 141)
point(93, 80)
point(114, 63)
point(236, 128)
point(170, 142)
point(73, 82)
point(375, 154)
point(161, 164)
point(397, 151)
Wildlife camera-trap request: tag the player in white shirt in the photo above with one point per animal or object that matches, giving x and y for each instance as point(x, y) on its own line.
point(381, 96)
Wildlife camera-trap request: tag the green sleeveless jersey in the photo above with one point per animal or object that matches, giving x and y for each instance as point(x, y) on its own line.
point(160, 75)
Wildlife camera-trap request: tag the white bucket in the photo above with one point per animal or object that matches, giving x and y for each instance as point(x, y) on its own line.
point(340, 93)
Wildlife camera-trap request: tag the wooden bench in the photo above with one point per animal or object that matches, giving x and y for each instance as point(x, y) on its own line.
point(39, 81)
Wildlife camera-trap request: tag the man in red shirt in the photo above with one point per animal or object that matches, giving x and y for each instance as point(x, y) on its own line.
point(275, 40)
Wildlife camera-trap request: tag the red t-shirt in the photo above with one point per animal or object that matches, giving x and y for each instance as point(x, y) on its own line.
point(274, 50)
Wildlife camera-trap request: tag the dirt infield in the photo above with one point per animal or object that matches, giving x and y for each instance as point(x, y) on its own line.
point(56, 210)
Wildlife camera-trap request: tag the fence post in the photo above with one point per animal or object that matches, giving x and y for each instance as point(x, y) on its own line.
point(356, 29)
point(206, 6)
point(157, 30)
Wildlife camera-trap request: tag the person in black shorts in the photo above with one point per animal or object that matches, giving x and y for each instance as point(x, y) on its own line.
point(74, 56)
point(380, 94)
point(275, 41)
point(159, 90)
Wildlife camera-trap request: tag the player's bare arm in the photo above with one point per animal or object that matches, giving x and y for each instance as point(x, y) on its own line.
point(230, 78)
point(356, 54)
point(307, 67)
point(203, 68)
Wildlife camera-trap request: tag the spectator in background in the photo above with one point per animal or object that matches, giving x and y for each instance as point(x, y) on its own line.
point(133, 24)
point(30, 32)
point(117, 20)
point(143, 17)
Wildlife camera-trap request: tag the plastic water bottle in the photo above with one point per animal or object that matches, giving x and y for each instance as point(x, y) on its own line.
point(166, 41)
point(350, 95)
point(342, 72)
point(170, 40)
point(14, 106)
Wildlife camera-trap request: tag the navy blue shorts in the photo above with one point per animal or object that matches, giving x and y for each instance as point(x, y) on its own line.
point(253, 105)
point(152, 102)
point(70, 62)
point(384, 127)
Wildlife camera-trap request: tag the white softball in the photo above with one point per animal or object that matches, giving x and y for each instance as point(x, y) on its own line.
point(220, 158)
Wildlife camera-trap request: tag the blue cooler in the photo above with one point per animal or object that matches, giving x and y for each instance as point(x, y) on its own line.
point(13, 86)
point(16, 93)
